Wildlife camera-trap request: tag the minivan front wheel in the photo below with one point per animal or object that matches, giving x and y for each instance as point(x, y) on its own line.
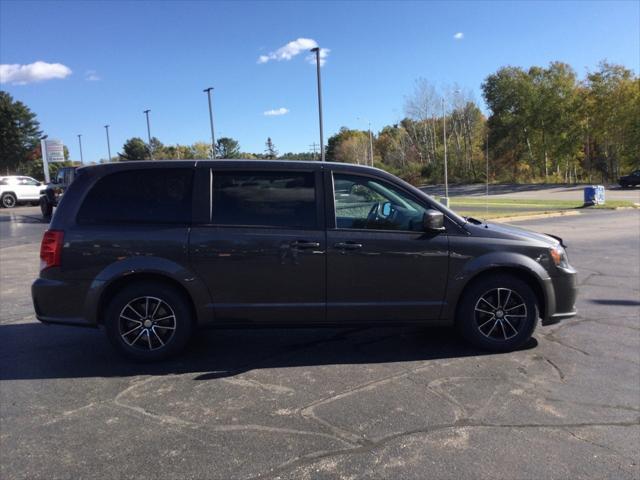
point(498, 313)
point(148, 321)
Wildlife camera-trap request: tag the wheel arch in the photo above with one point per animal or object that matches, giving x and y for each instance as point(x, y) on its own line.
point(520, 272)
point(115, 286)
point(9, 192)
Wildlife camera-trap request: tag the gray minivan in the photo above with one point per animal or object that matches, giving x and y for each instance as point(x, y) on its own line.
point(150, 251)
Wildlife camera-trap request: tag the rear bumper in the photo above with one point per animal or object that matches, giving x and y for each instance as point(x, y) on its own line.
point(58, 302)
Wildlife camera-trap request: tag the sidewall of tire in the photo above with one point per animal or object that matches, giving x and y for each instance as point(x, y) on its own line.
point(46, 209)
point(171, 296)
point(15, 201)
point(465, 319)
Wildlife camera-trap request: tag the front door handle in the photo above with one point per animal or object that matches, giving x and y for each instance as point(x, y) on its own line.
point(304, 244)
point(348, 246)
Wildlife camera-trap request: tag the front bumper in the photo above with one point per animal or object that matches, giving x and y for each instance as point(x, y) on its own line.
point(565, 289)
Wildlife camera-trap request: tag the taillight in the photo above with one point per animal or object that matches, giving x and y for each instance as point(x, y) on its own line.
point(51, 249)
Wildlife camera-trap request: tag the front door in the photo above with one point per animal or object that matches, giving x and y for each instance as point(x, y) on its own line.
point(262, 255)
point(381, 264)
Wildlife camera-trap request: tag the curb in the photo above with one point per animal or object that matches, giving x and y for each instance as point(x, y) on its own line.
point(536, 216)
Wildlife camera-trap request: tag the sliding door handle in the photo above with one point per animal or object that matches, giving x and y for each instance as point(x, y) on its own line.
point(302, 244)
point(347, 246)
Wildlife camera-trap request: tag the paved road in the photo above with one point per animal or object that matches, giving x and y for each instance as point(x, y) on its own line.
point(339, 403)
point(534, 192)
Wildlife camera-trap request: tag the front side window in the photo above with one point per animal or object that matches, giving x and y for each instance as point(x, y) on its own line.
point(367, 203)
point(159, 195)
point(271, 199)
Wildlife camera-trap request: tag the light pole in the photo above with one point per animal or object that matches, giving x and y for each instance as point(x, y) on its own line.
point(445, 200)
point(317, 52)
point(146, 112)
point(80, 143)
point(45, 163)
point(106, 127)
point(213, 136)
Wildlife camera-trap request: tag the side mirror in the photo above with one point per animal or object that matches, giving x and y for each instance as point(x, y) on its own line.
point(433, 221)
point(385, 211)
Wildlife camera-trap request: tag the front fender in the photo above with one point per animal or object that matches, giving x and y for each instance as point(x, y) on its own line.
point(148, 266)
point(464, 270)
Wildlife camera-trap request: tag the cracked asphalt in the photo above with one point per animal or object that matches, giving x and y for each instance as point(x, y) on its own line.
point(361, 403)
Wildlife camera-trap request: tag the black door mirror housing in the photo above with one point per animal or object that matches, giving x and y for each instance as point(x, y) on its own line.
point(433, 221)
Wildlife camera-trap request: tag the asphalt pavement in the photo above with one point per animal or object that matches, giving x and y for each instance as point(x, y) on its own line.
point(533, 191)
point(357, 403)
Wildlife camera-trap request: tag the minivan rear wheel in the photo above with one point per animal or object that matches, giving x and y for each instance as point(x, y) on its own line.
point(148, 321)
point(498, 313)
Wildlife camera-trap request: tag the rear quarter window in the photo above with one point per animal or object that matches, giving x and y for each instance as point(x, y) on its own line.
point(161, 195)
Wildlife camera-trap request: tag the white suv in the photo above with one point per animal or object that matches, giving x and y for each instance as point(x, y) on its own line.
point(18, 189)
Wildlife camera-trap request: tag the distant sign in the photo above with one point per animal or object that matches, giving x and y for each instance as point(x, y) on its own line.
point(54, 150)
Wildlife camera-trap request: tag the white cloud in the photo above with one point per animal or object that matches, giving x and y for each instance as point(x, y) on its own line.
point(276, 112)
point(459, 36)
point(293, 48)
point(18, 74)
point(92, 76)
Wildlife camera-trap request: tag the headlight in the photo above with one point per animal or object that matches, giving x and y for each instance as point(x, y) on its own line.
point(559, 256)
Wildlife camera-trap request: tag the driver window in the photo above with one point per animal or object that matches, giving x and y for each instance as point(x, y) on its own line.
point(366, 203)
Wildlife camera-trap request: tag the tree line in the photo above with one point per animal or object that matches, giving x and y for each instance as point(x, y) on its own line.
point(544, 124)
point(225, 147)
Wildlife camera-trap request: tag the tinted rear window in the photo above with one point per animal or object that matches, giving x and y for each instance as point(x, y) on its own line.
point(274, 199)
point(160, 195)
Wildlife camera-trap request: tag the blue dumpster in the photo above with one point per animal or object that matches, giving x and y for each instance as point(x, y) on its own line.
point(594, 195)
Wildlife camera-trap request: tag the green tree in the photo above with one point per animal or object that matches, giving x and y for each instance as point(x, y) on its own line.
point(135, 149)
point(227, 147)
point(179, 152)
point(353, 148)
point(270, 151)
point(335, 140)
point(19, 132)
point(310, 156)
point(509, 95)
point(157, 148)
point(613, 120)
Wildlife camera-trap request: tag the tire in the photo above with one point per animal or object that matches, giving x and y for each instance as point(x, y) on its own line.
point(8, 200)
point(134, 333)
point(498, 324)
point(46, 209)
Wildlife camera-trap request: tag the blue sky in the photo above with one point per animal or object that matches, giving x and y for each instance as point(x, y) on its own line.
point(126, 57)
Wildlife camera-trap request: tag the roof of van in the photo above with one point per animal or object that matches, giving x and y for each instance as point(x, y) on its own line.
point(241, 163)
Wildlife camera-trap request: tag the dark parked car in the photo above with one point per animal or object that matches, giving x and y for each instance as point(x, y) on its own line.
point(50, 196)
point(631, 180)
point(153, 250)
